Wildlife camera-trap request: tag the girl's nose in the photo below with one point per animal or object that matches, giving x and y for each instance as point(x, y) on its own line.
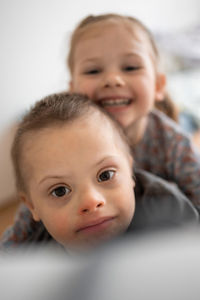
point(90, 201)
point(113, 79)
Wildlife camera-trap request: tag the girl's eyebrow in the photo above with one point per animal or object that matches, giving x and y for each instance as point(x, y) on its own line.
point(96, 59)
point(131, 54)
point(91, 59)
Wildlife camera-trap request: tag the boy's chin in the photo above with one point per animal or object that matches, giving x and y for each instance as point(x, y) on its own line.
point(88, 245)
point(82, 249)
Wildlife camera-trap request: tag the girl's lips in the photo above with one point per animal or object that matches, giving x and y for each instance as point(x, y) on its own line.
point(96, 225)
point(115, 104)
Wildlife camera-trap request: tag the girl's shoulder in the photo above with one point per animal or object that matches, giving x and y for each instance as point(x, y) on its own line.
point(165, 126)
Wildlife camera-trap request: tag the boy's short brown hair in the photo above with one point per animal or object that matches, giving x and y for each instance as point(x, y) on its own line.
point(54, 110)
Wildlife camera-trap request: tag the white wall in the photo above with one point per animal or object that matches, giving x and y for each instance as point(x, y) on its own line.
point(33, 39)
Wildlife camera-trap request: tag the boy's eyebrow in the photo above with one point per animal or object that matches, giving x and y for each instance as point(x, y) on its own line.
point(61, 176)
point(105, 158)
point(51, 177)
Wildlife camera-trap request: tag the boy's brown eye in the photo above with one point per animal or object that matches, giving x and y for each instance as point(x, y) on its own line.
point(106, 175)
point(60, 191)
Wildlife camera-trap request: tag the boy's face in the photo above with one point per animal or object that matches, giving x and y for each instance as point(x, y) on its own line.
point(114, 66)
point(79, 182)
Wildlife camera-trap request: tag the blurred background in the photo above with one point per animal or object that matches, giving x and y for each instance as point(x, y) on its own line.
point(34, 43)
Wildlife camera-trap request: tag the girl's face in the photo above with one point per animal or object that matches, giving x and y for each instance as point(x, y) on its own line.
point(114, 66)
point(79, 182)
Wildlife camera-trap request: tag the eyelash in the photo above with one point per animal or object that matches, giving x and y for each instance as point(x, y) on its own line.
point(92, 72)
point(127, 69)
point(131, 68)
point(106, 179)
point(59, 187)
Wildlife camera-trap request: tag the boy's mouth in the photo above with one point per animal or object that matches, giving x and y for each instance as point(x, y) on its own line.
point(96, 225)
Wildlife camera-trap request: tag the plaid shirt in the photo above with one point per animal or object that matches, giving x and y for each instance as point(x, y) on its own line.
point(168, 152)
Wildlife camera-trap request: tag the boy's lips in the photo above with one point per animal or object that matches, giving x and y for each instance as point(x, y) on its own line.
point(96, 224)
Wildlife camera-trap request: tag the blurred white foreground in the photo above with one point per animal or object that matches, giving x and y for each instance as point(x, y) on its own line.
point(156, 266)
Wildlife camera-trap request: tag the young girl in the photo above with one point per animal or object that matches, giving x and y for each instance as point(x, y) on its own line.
point(114, 61)
point(79, 185)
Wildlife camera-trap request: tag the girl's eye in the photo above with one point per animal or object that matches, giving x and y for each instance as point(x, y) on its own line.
point(60, 191)
point(131, 68)
point(92, 72)
point(106, 175)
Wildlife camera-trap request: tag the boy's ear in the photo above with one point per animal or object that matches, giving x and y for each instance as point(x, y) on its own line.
point(131, 162)
point(160, 87)
point(25, 199)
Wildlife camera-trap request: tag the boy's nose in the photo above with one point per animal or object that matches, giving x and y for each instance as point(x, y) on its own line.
point(90, 201)
point(113, 79)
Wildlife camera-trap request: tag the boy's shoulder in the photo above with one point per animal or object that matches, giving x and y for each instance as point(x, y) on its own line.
point(160, 203)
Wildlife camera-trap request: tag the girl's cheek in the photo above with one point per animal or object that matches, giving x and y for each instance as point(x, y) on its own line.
point(82, 87)
point(88, 90)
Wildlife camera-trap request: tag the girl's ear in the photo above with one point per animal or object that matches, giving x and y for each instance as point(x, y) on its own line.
point(25, 199)
point(71, 86)
point(160, 87)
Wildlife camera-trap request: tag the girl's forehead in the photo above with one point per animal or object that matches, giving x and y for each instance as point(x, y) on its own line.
point(95, 29)
point(124, 30)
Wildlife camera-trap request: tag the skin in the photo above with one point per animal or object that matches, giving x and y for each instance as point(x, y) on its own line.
point(83, 193)
point(115, 62)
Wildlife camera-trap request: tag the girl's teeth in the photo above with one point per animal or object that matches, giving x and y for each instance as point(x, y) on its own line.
point(115, 102)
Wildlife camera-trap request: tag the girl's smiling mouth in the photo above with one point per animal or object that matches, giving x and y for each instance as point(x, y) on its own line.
point(115, 102)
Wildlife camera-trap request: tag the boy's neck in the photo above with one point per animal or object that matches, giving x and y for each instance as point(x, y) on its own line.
point(135, 131)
